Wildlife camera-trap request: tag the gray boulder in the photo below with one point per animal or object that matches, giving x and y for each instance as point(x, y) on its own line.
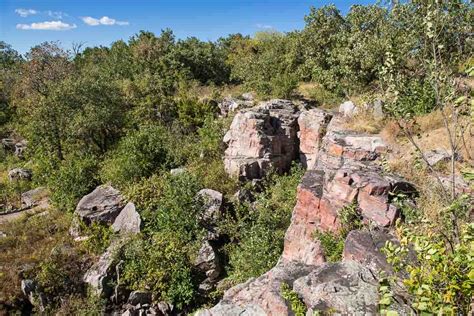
point(33, 197)
point(212, 206)
point(128, 221)
point(103, 271)
point(208, 263)
point(102, 205)
point(365, 247)
point(177, 171)
point(348, 109)
point(248, 96)
point(437, 156)
point(29, 288)
point(348, 288)
point(139, 297)
point(20, 174)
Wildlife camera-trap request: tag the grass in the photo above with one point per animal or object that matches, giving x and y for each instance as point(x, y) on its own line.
point(28, 251)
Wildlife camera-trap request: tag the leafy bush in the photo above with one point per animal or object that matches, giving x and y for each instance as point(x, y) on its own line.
point(69, 180)
point(297, 306)
point(260, 229)
point(99, 237)
point(138, 155)
point(332, 245)
point(441, 278)
point(162, 264)
point(284, 86)
point(167, 203)
point(60, 273)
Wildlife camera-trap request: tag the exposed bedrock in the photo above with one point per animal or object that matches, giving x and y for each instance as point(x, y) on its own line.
point(262, 138)
point(343, 170)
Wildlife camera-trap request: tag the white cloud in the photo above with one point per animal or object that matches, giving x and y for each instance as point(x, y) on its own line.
point(47, 25)
point(90, 21)
point(56, 14)
point(105, 20)
point(264, 26)
point(25, 12)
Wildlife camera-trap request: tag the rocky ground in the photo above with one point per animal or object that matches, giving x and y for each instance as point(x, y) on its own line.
point(343, 171)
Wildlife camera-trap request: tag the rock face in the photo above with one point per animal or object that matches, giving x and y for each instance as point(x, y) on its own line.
point(312, 127)
point(260, 296)
point(20, 174)
point(365, 246)
point(102, 205)
point(347, 288)
point(128, 221)
point(230, 104)
point(209, 264)
point(348, 108)
point(262, 138)
point(342, 173)
point(99, 275)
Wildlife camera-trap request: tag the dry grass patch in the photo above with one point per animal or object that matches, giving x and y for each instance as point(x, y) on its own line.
point(29, 250)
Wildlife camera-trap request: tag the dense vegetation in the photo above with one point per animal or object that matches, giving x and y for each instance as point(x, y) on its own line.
point(128, 113)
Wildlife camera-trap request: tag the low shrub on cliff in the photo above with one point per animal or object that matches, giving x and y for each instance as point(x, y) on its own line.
point(160, 263)
point(259, 229)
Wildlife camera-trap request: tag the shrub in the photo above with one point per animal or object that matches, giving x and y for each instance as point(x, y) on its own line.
point(138, 155)
point(332, 244)
point(440, 270)
point(167, 203)
point(70, 179)
point(297, 306)
point(259, 229)
point(192, 113)
point(161, 264)
point(283, 86)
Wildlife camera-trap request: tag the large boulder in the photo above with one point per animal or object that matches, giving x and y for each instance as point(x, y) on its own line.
point(209, 264)
point(260, 296)
point(312, 128)
point(346, 288)
point(365, 247)
point(300, 244)
point(98, 276)
point(262, 138)
point(128, 221)
point(102, 205)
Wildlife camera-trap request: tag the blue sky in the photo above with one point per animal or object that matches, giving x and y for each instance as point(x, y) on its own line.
point(25, 23)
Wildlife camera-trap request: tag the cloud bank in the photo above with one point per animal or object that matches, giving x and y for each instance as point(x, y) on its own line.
point(47, 25)
point(105, 20)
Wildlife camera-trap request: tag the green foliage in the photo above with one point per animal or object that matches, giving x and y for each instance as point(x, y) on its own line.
point(167, 203)
point(265, 63)
point(333, 242)
point(68, 180)
point(332, 245)
point(60, 273)
point(297, 306)
point(138, 155)
point(160, 263)
point(441, 279)
point(99, 237)
point(260, 229)
point(192, 113)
